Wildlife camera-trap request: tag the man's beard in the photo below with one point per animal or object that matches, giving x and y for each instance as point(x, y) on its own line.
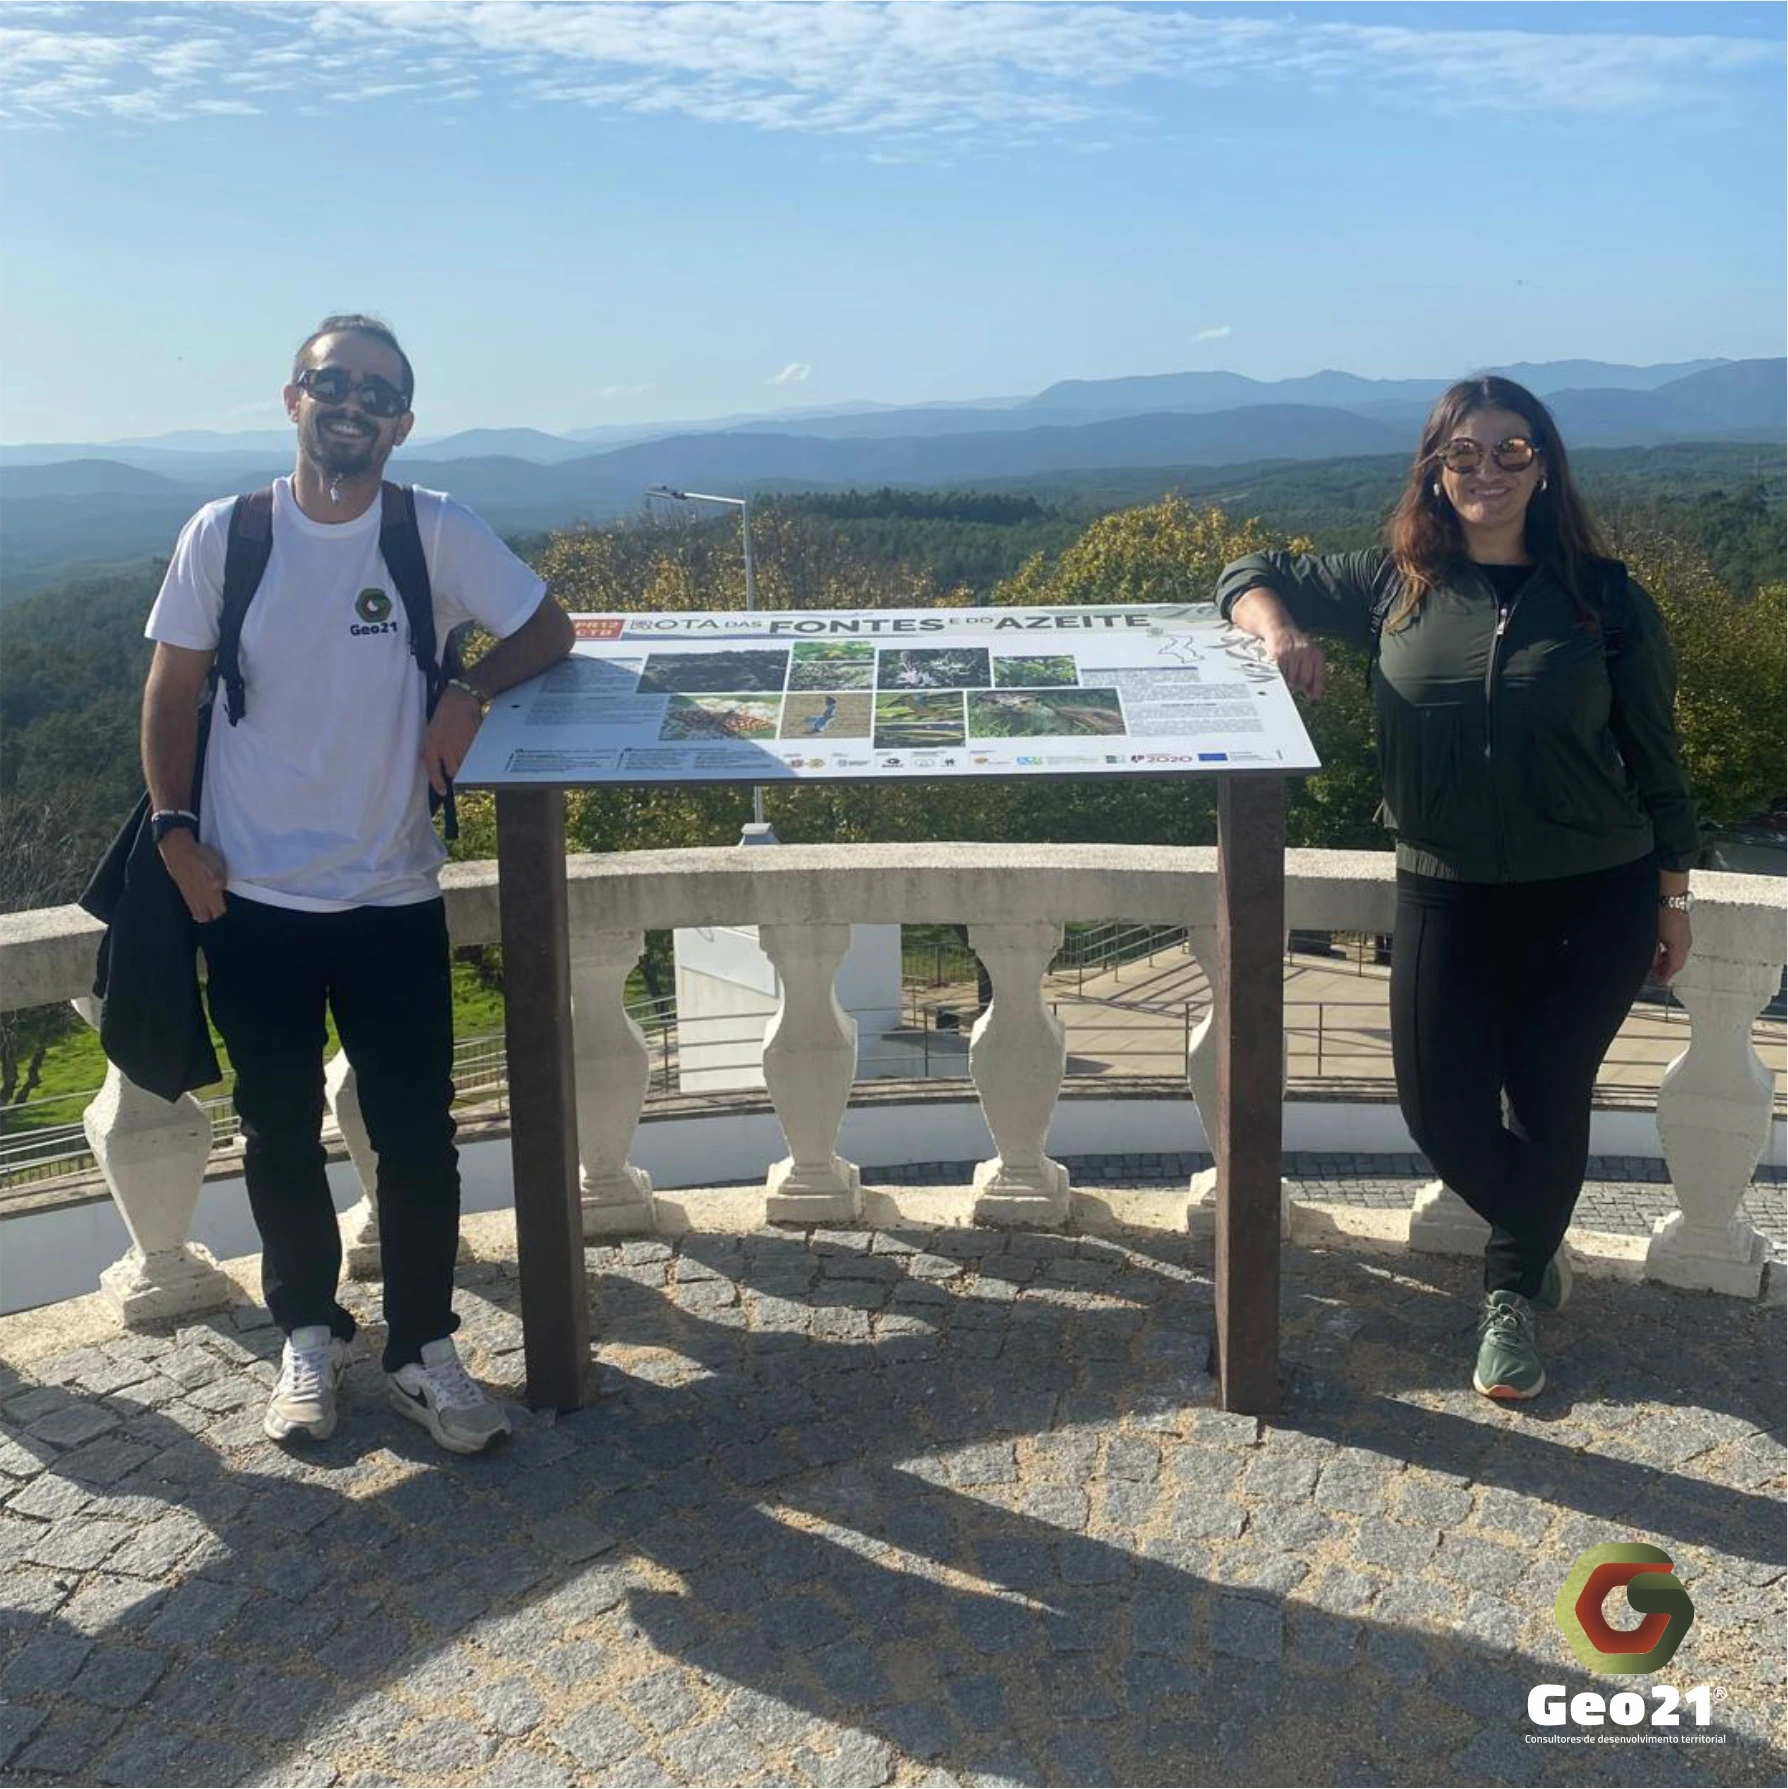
point(336, 456)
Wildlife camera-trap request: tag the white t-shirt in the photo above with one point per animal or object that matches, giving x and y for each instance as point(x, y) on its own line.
point(317, 798)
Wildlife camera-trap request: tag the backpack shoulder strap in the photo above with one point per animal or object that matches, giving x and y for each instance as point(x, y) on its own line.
point(245, 563)
point(1385, 592)
point(1383, 600)
point(400, 544)
point(1615, 583)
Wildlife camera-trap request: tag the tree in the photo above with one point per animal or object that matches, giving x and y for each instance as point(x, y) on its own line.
point(1730, 662)
point(1166, 552)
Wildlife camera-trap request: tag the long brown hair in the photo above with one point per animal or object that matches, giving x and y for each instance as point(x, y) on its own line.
point(1424, 531)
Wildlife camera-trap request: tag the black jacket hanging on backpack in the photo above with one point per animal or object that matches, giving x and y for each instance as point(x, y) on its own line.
point(152, 1017)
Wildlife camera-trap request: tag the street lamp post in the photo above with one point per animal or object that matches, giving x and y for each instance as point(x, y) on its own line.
point(743, 506)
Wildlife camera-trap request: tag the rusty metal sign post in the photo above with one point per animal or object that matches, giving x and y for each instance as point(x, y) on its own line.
point(549, 1230)
point(1249, 1121)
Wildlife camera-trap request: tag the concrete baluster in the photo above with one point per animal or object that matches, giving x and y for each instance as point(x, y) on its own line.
point(360, 1222)
point(1441, 1223)
point(1714, 1111)
point(810, 1061)
point(613, 1069)
point(1017, 1053)
point(1201, 1077)
point(152, 1154)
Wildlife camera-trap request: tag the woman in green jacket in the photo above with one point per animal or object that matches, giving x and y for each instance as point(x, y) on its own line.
point(1524, 691)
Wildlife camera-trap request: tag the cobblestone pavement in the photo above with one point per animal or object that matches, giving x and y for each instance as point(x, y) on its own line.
point(914, 1506)
point(1624, 1194)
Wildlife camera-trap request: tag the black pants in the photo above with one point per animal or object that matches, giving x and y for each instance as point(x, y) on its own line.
point(383, 972)
point(1504, 1000)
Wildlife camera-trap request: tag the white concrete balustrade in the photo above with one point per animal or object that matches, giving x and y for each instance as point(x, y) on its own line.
point(1714, 1109)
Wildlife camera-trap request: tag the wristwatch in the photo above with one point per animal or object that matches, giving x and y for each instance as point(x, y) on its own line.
point(166, 820)
point(1677, 903)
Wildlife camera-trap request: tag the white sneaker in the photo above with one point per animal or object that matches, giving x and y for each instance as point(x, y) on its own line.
point(303, 1402)
point(441, 1395)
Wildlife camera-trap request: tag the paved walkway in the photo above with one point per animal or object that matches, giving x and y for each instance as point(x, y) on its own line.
point(916, 1506)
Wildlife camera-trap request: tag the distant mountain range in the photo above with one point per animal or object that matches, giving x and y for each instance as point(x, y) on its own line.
point(527, 479)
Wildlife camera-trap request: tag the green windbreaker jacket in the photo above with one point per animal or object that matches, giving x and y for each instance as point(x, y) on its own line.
point(1514, 744)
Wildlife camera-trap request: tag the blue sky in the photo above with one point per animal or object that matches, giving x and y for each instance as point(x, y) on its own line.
point(581, 214)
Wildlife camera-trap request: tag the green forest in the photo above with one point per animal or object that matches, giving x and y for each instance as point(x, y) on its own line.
point(1700, 527)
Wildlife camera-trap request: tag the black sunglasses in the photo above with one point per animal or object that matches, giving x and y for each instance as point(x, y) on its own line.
point(333, 385)
point(1462, 454)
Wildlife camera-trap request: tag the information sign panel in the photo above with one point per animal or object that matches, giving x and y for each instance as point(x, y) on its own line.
point(863, 695)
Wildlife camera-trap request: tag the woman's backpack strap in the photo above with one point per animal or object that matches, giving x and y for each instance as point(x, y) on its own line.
point(1612, 610)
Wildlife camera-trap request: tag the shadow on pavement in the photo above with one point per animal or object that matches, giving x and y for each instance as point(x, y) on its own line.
point(958, 1504)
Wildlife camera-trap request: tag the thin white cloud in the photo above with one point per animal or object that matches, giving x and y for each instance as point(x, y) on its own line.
point(609, 393)
point(1220, 333)
point(795, 373)
point(267, 409)
point(905, 81)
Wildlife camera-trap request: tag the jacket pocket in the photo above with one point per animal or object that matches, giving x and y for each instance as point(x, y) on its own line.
point(1419, 750)
point(1568, 787)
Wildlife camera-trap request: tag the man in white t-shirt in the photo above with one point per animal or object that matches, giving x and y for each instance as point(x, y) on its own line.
point(313, 869)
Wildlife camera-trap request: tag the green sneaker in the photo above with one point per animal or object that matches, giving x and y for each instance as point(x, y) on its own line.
point(1555, 1286)
point(1508, 1349)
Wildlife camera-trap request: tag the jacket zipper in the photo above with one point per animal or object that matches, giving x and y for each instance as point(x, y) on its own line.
point(1505, 613)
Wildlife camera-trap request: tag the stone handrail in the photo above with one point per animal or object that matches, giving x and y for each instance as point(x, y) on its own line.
point(1714, 1103)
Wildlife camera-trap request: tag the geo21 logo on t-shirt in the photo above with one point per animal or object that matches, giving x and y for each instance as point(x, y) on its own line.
point(373, 606)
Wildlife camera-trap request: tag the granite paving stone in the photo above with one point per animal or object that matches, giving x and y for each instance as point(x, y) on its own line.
point(50, 1498)
point(104, 1604)
point(17, 1724)
point(527, 1767)
point(1398, 1546)
point(66, 1743)
point(46, 1662)
point(1244, 1628)
point(116, 1676)
point(76, 1544)
point(1425, 1498)
point(442, 1747)
point(597, 1736)
point(1483, 1565)
point(860, 1760)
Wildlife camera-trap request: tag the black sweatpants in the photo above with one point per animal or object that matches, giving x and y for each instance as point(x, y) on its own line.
point(1504, 1000)
point(383, 972)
